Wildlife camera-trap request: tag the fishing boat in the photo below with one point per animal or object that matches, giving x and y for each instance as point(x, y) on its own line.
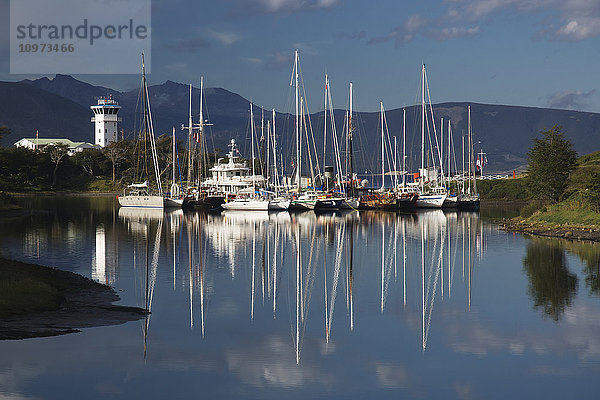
point(140, 194)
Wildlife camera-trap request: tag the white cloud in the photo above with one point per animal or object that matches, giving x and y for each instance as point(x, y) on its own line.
point(225, 38)
point(579, 29)
point(569, 20)
point(570, 99)
point(285, 6)
point(392, 376)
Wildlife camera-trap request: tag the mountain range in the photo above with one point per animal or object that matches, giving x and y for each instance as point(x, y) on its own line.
point(59, 107)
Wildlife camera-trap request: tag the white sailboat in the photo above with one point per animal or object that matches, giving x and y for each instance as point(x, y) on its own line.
point(140, 194)
point(431, 195)
point(351, 201)
point(469, 199)
point(174, 199)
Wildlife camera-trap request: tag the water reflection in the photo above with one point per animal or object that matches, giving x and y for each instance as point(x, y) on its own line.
point(346, 304)
point(296, 257)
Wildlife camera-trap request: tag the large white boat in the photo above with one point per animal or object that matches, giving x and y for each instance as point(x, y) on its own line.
point(140, 194)
point(252, 200)
point(231, 176)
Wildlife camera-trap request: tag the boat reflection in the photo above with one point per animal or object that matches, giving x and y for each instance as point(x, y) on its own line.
point(413, 258)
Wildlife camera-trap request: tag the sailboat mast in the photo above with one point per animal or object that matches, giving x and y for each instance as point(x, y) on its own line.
point(298, 148)
point(190, 142)
point(395, 163)
point(201, 134)
point(325, 121)
point(471, 159)
point(403, 147)
point(275, 150)
point(422, 177)
point(261, 152)
point(442, 149)
point(449, 148)
point(351, 172)
point(252, 143)
point(382, 148)
point(173, 166)
point(148, 114)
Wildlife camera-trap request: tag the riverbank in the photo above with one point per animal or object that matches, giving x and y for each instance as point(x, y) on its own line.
point(38, 301)
point(565, 231)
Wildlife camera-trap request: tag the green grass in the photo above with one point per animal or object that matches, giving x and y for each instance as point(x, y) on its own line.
point(103, 185)
point(574, 212)
point(26, 289)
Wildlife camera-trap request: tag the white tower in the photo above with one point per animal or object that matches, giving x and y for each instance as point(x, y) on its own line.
point(106, 121)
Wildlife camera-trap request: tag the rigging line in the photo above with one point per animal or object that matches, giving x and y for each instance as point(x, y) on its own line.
point(308, 126)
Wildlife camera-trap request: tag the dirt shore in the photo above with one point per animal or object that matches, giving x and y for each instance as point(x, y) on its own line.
point(38, 301)
point(566, 232)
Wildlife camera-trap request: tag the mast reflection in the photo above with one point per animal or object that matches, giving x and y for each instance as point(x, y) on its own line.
point(282, 257)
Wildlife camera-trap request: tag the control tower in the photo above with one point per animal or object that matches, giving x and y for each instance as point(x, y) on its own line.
point(106, 121)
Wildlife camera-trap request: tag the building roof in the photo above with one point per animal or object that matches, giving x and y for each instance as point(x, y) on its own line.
point(45, 142)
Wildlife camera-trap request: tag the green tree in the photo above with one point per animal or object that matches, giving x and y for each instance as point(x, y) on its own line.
point(551, 160)
point(116, 152)
point(4, 130)
point(592, 191)
point(57, 153)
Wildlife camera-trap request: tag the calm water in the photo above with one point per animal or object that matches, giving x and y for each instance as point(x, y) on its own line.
point(257, 305)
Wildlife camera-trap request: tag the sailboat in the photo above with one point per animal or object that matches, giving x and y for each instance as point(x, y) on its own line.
point(392, 200)
point(351, 200)
point(204, 195)
point(174, 199)
point(469, 199)
point(430, 195)
point(140, 194)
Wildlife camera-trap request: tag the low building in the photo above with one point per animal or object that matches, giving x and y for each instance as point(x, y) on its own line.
point(40, 144)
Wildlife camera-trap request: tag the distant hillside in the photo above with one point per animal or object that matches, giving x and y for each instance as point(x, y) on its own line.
point(25, 108)
point(60, 107)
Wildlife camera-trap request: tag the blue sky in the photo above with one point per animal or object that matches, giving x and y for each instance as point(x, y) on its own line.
point(542, 53)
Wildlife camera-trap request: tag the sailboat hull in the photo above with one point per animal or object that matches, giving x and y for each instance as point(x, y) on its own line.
point(468, 203)
point(173, 202)
point(141, 201)
point(279, 205)
point(242, 205)
point(431, 200)
point(349, 204)
point(302, 205)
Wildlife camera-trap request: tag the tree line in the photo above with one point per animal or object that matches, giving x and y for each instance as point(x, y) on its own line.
point(106, 169)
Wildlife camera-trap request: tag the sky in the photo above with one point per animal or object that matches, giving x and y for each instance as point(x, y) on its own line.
point(541, 53)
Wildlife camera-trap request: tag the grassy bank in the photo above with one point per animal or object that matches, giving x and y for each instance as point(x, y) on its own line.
point(575, 216)
point(39, 301)
point(27, 289)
